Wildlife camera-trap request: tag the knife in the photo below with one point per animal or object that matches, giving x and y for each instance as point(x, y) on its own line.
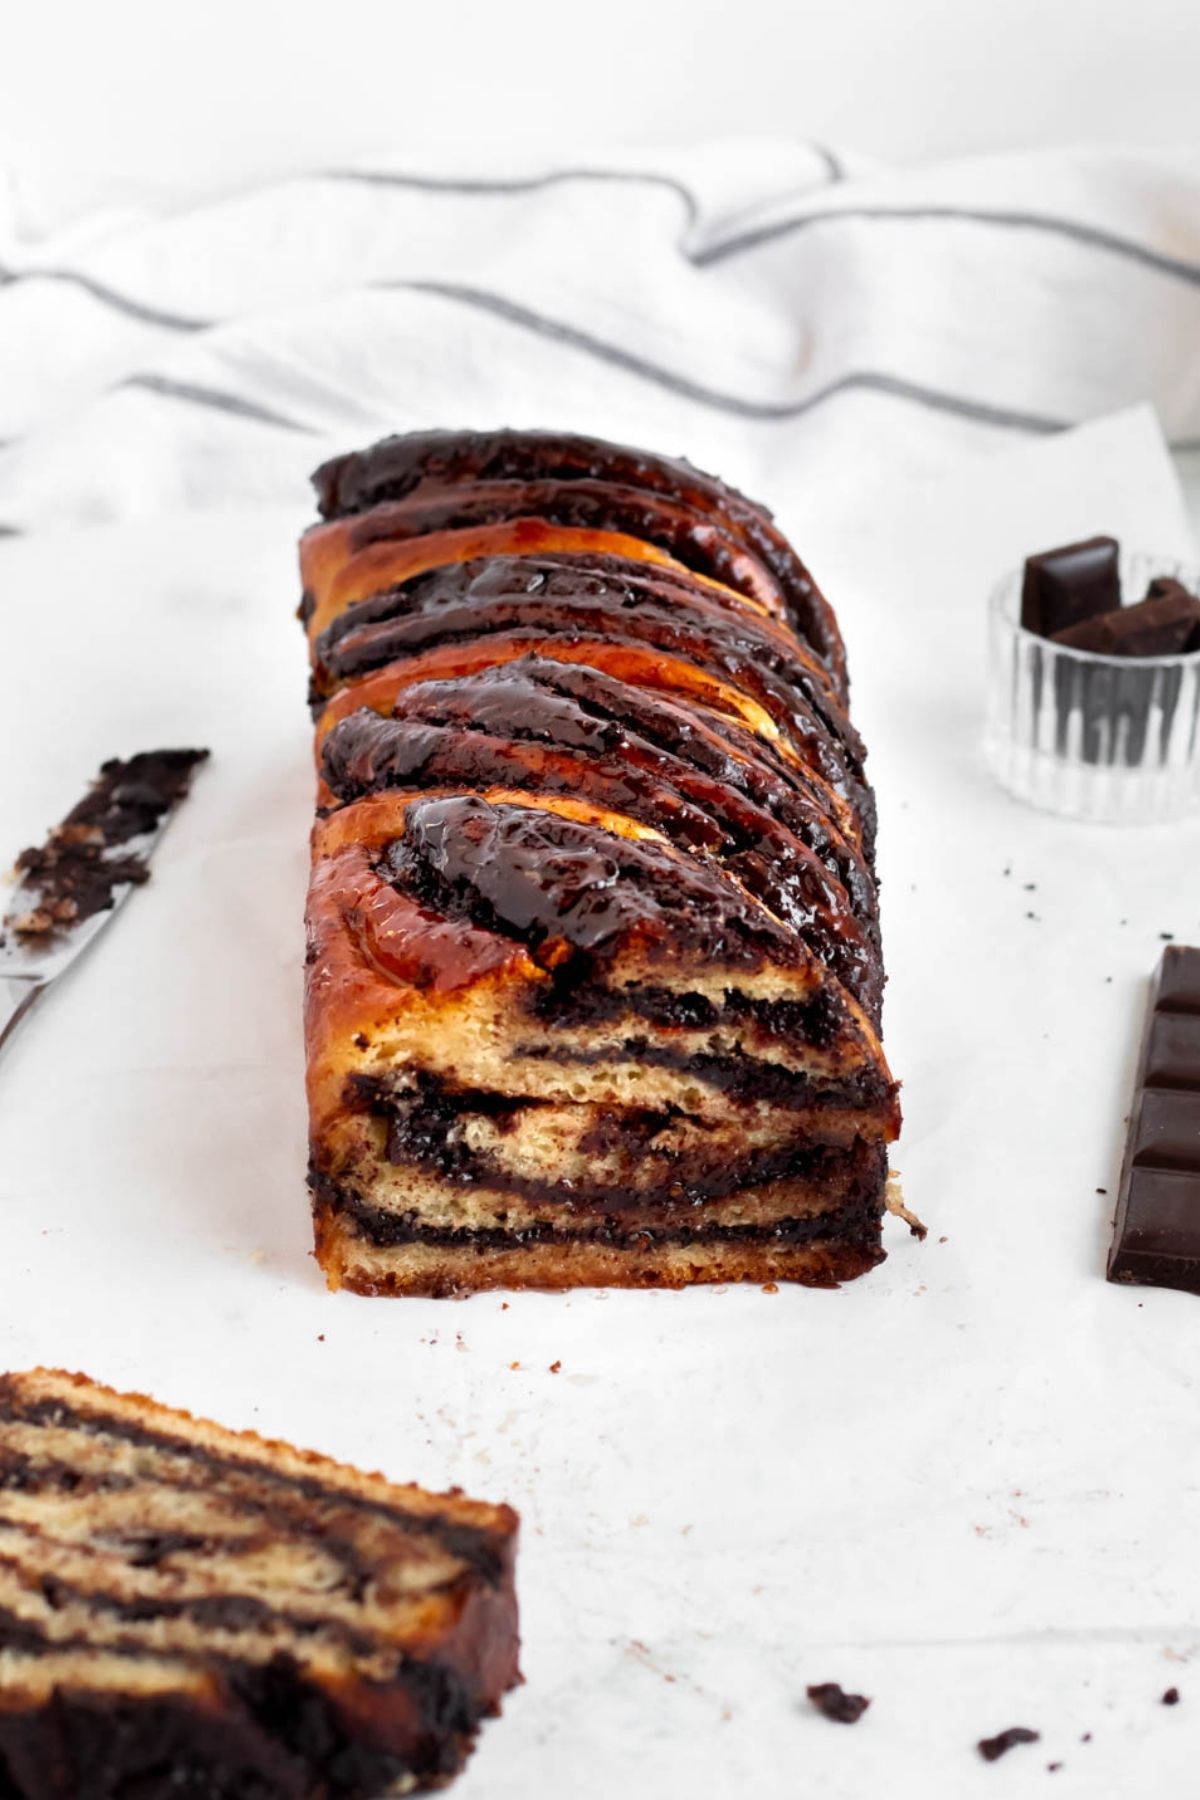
point(72, 886)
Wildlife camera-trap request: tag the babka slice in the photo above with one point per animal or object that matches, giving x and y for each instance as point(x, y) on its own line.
point(190, 1611)
point(594, 979)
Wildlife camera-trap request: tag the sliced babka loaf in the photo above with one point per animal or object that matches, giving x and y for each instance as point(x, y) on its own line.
point(594, 970)
point(186, 1610)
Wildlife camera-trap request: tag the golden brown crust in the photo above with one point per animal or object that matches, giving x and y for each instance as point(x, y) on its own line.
point(445, 1272)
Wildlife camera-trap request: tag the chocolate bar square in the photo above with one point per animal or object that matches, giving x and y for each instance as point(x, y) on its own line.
point(1160, 1238)
point(1156, 1239)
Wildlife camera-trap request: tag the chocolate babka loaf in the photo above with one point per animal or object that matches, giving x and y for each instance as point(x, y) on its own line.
point(189, 1611)
point(594, 970)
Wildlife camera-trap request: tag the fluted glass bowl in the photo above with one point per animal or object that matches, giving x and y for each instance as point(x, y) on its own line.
point(1115, 739)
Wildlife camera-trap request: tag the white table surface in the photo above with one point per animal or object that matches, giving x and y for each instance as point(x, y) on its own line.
point(967, 1485)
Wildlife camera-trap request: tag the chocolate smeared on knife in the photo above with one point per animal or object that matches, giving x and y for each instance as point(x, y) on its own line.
point(72, 883)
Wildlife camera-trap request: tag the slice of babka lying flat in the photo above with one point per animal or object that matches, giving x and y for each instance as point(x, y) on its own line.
point(594, 976)
point(190, 1611)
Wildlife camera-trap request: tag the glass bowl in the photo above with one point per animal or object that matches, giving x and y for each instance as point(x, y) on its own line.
point(1115, 739)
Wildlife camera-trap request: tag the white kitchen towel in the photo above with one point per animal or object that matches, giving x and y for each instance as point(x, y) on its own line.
point(815, 330)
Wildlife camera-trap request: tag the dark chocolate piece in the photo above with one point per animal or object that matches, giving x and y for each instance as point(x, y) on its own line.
point(836, 1704)
point(1167, 625)
point(1069, 584)
point(1171, 1697)
point(74, 873)
point(1156, 1239)
point(993, 1748)
point(1165, 587)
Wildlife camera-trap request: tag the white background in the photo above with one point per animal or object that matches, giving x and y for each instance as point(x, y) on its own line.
point(137, 96)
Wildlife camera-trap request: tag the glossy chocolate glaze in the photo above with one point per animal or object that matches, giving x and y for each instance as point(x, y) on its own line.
point(676, 735)
point(627, 601)
point(559, 886)
point(540, 726)
point(429, 463)
point(814, 767)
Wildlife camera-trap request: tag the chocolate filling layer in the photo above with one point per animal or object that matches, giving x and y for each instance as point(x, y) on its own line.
point(425, 1129)
point(856, 1221)
point(573, 998)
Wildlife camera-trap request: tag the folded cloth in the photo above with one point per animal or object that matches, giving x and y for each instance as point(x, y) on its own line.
point(814, 330)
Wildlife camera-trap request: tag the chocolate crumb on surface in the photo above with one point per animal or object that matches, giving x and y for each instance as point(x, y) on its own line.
point(75, 874)
point(835, 1703)
point(1053, 1768)
point(1171, 1697)
point(993, 1748)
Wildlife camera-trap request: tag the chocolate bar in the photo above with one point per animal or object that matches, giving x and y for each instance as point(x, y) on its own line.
point(1063, 587)
point(1156, 1237)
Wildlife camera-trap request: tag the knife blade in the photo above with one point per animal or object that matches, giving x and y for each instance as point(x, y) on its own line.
point(71, 886)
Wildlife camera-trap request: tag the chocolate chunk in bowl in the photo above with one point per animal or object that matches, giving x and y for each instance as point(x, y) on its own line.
point(1100, 721)
point(1064, 587)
